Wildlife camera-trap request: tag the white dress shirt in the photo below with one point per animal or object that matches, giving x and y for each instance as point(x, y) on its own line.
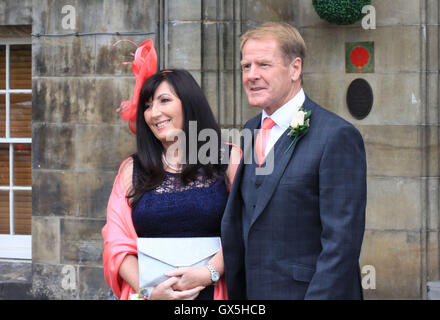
point(282, 118)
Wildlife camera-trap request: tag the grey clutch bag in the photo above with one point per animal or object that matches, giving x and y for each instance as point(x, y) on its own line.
point(159, 255)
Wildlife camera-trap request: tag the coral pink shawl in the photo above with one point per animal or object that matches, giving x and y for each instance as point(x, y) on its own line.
point(120, 240)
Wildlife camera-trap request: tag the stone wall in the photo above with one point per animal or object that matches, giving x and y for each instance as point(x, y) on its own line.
point(79, 141)
point(400, 134)
point(78, 138)
point(16, 12)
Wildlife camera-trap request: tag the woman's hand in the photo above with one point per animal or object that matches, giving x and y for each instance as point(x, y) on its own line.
point(165, 291)
point(190, 277)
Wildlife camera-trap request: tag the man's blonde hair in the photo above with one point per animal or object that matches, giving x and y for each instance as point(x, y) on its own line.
point(289, 39)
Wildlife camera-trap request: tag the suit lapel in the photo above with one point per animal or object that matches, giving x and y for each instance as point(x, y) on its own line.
point(281, 159)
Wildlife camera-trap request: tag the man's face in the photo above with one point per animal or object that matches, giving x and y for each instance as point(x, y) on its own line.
point(269, 82)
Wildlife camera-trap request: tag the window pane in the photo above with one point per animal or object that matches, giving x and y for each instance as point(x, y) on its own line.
point(4, 164)
point(4, 212)
point(21, 116)
point(22, 212)
point(20, 76)
point(2, 67)
point(2, 115)
point(22, 164)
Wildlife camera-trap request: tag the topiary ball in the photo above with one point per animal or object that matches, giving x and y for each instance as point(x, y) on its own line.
point(340, 11)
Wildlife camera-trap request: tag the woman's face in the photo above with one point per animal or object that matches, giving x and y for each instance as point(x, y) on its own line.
point(164, 115)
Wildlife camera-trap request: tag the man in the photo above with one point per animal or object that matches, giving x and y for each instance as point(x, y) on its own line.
point(297, 232)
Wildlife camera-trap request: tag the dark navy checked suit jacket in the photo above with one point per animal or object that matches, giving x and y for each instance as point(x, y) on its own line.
point(306, 233)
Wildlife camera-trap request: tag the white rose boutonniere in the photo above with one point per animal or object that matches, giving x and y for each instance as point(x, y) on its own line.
point(299, 125)
point(298, 119)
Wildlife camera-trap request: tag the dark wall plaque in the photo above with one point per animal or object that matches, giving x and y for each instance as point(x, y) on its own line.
point(359, 98)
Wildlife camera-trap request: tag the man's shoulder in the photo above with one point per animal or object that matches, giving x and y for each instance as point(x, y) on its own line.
point(325, 117)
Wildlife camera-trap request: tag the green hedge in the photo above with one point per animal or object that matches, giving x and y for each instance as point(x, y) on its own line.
point(340, 11)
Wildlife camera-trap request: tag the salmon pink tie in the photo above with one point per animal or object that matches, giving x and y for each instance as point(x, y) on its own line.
point(262, 138)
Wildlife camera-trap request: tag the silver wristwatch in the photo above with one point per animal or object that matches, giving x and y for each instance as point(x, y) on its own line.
point(215, 276)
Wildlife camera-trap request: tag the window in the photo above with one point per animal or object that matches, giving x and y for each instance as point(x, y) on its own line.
point(15, 148)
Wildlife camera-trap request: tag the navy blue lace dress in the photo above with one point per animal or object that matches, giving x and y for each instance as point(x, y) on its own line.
point(177, 210)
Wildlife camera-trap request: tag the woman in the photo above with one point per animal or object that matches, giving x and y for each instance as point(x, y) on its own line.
point(157, 194)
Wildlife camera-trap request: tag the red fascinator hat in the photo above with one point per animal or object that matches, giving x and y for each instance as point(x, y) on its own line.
point(143, 66)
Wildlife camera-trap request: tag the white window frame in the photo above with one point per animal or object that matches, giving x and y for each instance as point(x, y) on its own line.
point(13, 246)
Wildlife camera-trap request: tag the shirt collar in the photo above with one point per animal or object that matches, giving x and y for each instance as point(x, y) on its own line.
point(283, 116)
